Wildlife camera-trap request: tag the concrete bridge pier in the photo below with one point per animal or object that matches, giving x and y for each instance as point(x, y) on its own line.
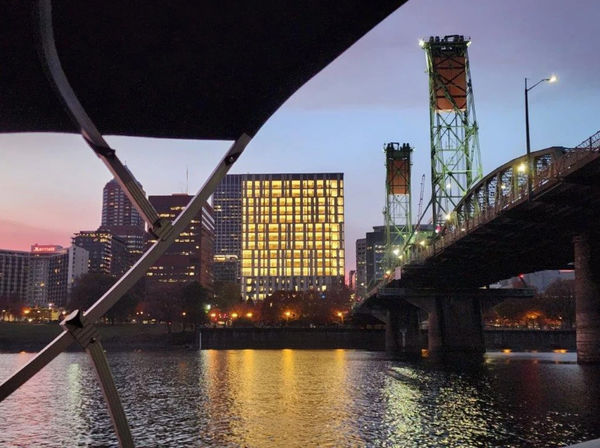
point(587, 298)
point(402, 331)
point(455, 325)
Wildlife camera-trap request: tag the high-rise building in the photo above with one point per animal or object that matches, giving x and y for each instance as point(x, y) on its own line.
point(121, 218)
point(227, 205)
point(361, 267)
point(190, 256)
point(49, 268)
point(14, 274)
point(374, 256)
point(108, 253)
point(117, 209)
point(78, 264)
point(292, 233)
point(42, 276)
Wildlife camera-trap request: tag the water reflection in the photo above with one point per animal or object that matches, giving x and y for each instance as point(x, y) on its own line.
point(302, 398)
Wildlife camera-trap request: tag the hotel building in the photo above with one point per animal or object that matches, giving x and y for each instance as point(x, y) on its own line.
point(292, 228)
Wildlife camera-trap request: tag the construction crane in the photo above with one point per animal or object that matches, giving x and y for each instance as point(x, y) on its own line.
point(420, 202)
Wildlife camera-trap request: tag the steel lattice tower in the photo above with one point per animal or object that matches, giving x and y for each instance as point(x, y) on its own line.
point(455, 155)
point(397, 213)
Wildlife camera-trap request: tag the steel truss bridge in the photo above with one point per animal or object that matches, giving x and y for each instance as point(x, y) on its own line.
point(501, 229)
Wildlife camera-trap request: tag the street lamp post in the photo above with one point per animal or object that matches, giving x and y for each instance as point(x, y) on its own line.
point(529, 161)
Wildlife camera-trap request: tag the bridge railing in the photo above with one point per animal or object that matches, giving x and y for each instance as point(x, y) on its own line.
point(502, 189)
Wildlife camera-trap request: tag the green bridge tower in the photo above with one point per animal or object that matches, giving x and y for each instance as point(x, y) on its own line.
point(455, 155)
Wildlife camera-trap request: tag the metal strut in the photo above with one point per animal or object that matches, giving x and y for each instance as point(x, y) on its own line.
point(87, 336)
point(159, 227)
point(79, 326)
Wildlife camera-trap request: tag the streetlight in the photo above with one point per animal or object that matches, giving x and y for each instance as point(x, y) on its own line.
point(341, 316)
point(552, 79)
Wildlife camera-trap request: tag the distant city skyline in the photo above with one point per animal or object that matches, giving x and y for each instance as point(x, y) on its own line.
point(374, 93)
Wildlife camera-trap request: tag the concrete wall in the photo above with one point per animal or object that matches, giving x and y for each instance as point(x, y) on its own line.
point(305, 338)
point(519, 340)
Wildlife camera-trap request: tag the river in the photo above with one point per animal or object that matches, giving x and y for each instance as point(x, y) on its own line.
point(306, 398)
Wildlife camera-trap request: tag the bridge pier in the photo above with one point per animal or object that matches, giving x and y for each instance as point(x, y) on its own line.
point(402, 331)
point(587, 298)
point(455, 325)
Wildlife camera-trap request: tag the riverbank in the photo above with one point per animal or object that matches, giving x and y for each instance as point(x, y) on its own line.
point(16, 337)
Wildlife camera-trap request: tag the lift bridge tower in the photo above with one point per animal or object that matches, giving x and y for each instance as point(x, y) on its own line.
point(455, 155)
point(397, 213)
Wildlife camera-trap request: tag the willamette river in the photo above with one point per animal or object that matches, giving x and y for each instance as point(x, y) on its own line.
point(305, 398)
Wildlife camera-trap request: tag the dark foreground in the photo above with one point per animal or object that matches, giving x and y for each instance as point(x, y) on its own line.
point(303, 398)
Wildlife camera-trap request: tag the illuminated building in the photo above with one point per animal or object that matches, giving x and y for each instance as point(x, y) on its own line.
point(108, 253)
point(190, 256)
point(292, 233)
point(122, 219)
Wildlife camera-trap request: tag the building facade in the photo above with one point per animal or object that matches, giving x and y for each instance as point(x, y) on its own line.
point(227, 205)
point(108, 253)
point(361, 267)
point(43, 276)
point(14, 274)
point(121, 218)
point(374, 255)
point(292, 233)
point(49, 268)
point(190, 256)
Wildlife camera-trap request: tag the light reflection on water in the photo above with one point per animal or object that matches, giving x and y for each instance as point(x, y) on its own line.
point(304, 398)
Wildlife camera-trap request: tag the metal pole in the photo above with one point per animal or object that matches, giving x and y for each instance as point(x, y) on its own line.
point(529, 164)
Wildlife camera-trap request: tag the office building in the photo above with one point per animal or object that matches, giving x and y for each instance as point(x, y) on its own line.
point(227, 205)
point(361, 267)
point(190, 257)
point(374, 254)
point(121, 219)
point(292, 233)
point(108, 253)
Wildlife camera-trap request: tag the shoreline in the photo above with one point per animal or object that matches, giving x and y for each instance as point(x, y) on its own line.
point(18, 337)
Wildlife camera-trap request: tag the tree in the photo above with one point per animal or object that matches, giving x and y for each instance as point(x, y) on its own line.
point(162, 303)
point(11, 304)
point(226, 295)
point(126, 305)
point(90, 287)
point(194, 297)
point(87, 289)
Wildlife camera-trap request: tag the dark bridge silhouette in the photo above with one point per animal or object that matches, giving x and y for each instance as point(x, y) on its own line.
point(500, 229)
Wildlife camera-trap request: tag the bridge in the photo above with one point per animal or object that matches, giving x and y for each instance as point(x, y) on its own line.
point(507, 224)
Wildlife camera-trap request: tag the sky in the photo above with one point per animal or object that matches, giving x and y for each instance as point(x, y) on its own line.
point(376, 92)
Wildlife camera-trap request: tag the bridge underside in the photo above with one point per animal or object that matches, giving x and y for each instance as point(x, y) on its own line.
point(454, 317)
